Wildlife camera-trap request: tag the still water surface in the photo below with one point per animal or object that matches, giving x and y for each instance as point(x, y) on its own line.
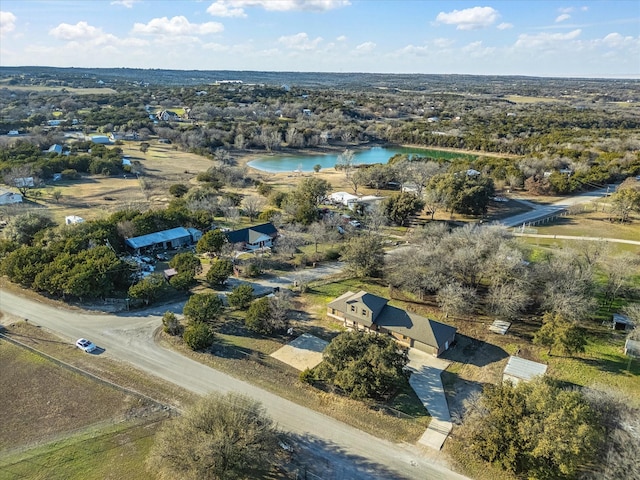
point(305, 163)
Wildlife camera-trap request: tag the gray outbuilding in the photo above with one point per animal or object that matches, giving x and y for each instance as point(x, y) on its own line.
point(522, 370)
point(172, 238)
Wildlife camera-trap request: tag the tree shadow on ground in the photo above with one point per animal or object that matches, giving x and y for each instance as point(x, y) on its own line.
point(457, 390)
point(556, 222)
point(475, 352)
point(613, 364)
point(225, 349)
point(315, 458)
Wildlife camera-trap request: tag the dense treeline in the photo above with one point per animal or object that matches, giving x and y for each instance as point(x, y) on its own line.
point(583, 133)
point(83, 260)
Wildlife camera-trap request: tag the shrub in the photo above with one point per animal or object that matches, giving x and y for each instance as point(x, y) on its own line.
point(182, 281)
point(241, 296)
point(258, 316)
point(70, 174)
point(170, 323)
point(268, 214)
point(198, 335)
point(332, 255)
point(219, 271)
point(252, 270)
point(264, 189)
point(178, 189)
point(307, 376)
point(277, 199)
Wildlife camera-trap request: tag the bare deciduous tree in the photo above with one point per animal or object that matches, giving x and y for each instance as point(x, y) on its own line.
point(456, 300)
point(252, 205)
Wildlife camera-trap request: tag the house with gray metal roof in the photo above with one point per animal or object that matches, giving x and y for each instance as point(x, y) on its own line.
point(367, 312)
point(172, 238)
point(522, 370)
point(253, 238)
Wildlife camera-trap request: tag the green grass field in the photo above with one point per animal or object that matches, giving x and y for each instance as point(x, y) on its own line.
point(117, 452)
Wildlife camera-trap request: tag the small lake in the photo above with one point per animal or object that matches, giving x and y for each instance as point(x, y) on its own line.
point(305, 163)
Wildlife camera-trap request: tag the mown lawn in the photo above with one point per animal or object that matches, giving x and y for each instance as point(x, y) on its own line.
point(592, 224)
point(603, 365)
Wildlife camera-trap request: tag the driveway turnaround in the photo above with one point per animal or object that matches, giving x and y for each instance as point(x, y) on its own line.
point(303, 352)
point(427, 383)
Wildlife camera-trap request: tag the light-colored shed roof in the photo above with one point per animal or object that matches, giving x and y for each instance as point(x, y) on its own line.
point(524, 369)
point(158, 237)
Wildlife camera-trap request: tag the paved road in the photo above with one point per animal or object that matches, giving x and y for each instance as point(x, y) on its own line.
point(542, 211)
point(344, 452)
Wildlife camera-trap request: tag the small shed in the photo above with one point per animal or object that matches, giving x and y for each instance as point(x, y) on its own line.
point(169, 272)
point(621, 322)
point(521, 370)
point(632, 348)
point(72, 219)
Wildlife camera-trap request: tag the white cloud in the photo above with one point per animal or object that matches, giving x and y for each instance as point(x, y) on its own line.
point(216, 47)
point(546, 39)
point(82, 36)
point(563, 17)
point(125, 3)
point(469, 18)
point(222, 9)
point(341, 38)
point(615, 40)
point(476, 49)
point(566, 10)
point(366, 47)
point(7, 23)
point(435, 46)
point(505, 26)
point(299, 41)
point(176, 26)
point(79, 31)
point(235, 8)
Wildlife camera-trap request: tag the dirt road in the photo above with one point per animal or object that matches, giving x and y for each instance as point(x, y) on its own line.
point(346, 452)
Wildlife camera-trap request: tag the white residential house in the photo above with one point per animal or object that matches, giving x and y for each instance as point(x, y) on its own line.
point(343, 197)
point(167, 116)
point(366, 202)
point(22, 182)
point(7, 197)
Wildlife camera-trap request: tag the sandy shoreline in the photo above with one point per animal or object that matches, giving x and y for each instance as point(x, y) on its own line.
point(333, 149)
point(335, 178)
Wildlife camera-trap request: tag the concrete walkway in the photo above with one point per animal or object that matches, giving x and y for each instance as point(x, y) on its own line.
point(427, 383)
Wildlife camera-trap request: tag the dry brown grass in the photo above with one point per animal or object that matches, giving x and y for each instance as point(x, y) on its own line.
point(274, 376)
point(41, 400)
point(37, 391)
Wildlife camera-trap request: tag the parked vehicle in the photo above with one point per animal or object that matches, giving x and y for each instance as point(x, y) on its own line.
point(85, 345)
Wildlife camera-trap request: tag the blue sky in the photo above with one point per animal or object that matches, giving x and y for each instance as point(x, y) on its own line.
point(516, 37)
